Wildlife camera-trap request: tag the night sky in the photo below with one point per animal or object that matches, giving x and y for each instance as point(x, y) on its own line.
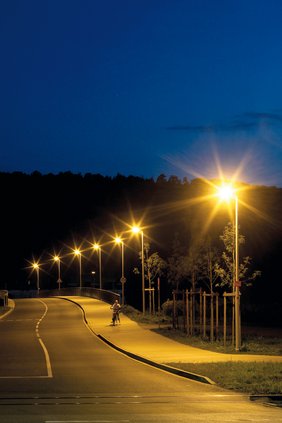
point(142, 87)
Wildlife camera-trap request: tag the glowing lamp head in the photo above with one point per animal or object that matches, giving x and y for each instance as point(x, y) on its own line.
point(77, 252)
point(35, 266)
point(226, 192)
point(56, 258)
point(135, 229)
point(96, 246)
point(118, 240)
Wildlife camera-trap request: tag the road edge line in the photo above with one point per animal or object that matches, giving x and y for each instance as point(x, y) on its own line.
point(43, 346)
point(11, 304)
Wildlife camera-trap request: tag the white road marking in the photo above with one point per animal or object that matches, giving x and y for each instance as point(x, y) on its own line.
point(46, 354)
point(47, 357)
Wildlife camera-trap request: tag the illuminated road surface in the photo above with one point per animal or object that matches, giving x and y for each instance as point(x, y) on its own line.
point(54, 369)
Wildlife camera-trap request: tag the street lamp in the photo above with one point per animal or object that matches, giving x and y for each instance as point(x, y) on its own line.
point(120, 242)
point(227, 192)
point(58, 261)
point(36, 268)
point(97, 248)
point(137, 230)
point(77, 253)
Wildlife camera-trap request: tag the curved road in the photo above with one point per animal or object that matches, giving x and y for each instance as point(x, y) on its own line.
point(54, 369)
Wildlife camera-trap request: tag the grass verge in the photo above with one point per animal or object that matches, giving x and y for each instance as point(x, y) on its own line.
point(250, 344)
point(251, 378)
point(248, 377)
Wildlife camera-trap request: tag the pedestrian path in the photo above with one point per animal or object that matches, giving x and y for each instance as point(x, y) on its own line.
point(132, 337)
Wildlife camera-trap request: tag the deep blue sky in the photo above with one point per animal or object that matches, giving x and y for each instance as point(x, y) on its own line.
point(142, 87)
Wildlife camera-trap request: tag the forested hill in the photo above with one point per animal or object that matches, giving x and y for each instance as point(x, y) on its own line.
point(41, 213)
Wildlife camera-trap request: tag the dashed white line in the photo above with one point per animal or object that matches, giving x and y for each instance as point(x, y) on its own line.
point(46, 354)
point(47, 357)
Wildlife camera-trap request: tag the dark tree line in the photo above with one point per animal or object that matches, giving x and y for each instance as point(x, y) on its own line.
point(44, 213)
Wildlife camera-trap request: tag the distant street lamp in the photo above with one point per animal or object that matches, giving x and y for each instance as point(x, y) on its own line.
point(227, 192)
point(77, 253)
point(137, 230)
point(36, 268)
point(97, 248)
point(58, 261)
point(120, 242)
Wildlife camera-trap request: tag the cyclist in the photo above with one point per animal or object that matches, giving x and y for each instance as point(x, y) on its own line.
point(116, 309)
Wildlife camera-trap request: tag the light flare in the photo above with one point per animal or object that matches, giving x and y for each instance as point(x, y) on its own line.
point(226, 192)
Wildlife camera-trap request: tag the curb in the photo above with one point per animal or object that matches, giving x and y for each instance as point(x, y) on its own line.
point(78, 305)
point(178, 372)
point(267, 399)
point(11, 305)
point(173, 370)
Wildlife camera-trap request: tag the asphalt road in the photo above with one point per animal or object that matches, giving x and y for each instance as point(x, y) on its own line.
point(54, 369)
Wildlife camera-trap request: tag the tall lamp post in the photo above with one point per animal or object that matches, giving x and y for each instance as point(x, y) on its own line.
point(58, 261)
point(77, 253)
point(97, 248)
point(137, 230)
point(36, 268)
point(237, 283)
point(120, 242)
point(226, 193)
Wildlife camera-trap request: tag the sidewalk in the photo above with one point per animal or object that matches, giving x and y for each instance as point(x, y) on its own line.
point(129, 336)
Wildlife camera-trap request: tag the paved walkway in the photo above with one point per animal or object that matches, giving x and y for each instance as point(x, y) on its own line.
point(137, 339)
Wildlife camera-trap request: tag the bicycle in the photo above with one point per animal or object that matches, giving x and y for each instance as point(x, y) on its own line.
point(115, 317)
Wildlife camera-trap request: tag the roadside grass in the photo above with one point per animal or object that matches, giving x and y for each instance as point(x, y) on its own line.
point(147, 318)
point(251, 344)
point(252, 378)
point(247, 377)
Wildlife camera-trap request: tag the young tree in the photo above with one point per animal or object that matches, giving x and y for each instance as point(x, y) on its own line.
point(154, 267)
point(226, 269)
point(176, 265)
point(211, 258)
point(195, 263)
